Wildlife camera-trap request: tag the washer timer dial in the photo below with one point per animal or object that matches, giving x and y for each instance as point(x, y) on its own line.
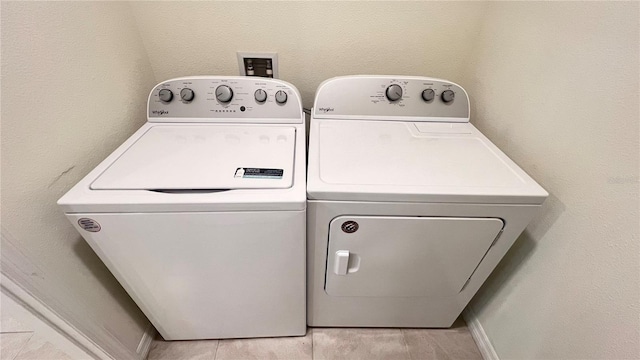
point(224, 93)
point(394, 92)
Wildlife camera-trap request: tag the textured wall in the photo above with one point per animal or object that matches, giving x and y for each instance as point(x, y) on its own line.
point(74, 83)
point(314, 40)
point(555, 85)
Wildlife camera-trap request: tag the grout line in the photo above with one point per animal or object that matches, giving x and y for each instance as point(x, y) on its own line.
point(24, 346)
point(215, 354)
point(16, 332)
point(311, 334)
point(406, 347)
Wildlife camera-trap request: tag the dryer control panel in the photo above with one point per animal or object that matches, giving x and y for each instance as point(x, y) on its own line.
point(406, 98)
point(225, 99)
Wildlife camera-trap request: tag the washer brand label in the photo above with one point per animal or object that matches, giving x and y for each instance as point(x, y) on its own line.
point(258, 173)
point(159, 112)
point(326, 109)
point(89, 224)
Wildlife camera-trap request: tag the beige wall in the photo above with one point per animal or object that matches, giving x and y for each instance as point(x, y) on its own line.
point(555, 85)
point(314, 40)
point(74, 83)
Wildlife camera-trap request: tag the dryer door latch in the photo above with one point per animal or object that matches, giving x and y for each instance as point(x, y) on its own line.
point(341, 262)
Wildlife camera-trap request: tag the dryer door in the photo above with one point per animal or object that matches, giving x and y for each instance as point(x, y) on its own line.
point(405, 256)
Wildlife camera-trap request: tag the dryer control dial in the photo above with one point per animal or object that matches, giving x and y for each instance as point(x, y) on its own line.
point(447, 96)
point(394, 92)
point(428, 94)
point(281, 97)
point(187, 94)
point(224, 93)
point(165, 95)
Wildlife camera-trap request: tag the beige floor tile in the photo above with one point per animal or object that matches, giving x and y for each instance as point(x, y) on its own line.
point(179, 350)
point(445, 344)
point(9, 324)
point(354, 344)
point(293, 348)
point(422, 346)
point(12, 343)
point(13, 315)
point(40, 349)
point(16, 318)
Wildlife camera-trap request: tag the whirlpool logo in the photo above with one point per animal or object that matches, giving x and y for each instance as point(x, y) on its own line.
point(159, 112)
point(326, 109)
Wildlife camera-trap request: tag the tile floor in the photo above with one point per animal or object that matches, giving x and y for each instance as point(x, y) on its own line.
point(25, 337)
point(332, 343)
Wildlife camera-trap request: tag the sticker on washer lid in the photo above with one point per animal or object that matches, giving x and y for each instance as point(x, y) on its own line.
point(258, 173)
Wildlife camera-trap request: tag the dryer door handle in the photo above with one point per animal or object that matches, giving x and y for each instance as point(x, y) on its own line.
point(341, 262)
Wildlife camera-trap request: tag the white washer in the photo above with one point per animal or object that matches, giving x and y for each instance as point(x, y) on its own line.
point(410, 206)
point(200, 214)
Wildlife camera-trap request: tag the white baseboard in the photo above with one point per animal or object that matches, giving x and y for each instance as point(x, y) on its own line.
point(46, 315)
point(479, 336)
point(145, 343)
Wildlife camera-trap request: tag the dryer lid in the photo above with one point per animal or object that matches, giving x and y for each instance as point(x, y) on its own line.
point(403, 161)
point(204, 157)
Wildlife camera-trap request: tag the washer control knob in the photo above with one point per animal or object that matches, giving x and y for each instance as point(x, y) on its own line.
point(224, 93)
point(394, 92)
point(187, 94)
point(428, 94)
point(165, 95)
point(447, 96)
point(281, 97)
point(260, 95)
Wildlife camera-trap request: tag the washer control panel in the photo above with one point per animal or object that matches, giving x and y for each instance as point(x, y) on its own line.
point(391, 97)
point(225, 99)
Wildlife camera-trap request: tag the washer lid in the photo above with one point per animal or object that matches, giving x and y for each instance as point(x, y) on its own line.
point(207, 157)
point(403, 161)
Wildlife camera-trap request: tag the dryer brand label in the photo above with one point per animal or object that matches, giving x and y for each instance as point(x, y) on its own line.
point(350, 226)
point(258, 173)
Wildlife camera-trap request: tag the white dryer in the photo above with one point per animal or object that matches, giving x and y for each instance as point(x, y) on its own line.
point(410, 207)
point(200, 214)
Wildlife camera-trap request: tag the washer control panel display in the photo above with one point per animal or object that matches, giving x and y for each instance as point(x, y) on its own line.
point(217, 98)
point(387, 96)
